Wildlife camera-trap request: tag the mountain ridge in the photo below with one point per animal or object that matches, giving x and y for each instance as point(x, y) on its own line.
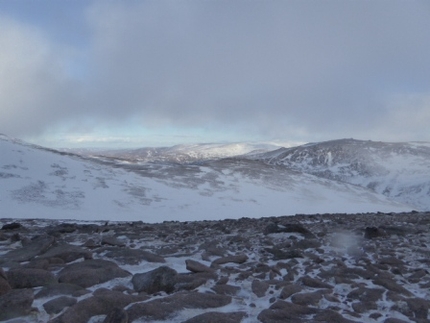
point(42, 182)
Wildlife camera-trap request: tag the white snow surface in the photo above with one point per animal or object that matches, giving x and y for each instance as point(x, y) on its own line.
point(400, 171)
point(36, 182)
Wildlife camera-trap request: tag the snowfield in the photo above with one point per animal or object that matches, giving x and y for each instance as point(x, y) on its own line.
point(41, 183)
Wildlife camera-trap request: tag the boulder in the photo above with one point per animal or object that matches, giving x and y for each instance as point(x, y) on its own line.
point(238, 259)
point(15, 303)
point(30, 249)
point(4, 285)
point(288, 228)
point(197, 267)
point(129, 256)
point(61, 289)
point(216, 317)
point(56, 305)
point(66, 252)
point(373, 232)
point(259, 288)
point(29, 277)
point(11, 226)
point(163, 308)
point(117, 315)
point(289, 290)
point(286, 312)
point(101, 303)
point(226, 289)
point(157, 280)
point(91, 272)
point(315, 283)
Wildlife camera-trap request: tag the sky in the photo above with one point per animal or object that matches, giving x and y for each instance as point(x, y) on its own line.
point(129, 73)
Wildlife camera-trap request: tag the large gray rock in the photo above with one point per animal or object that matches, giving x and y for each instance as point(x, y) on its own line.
point(102, 303)
point(30, 249)
point(157, 280)
point(237, 259)
point(4, 285)
point(91, 272)
point(56, 305)
point(66, 252)
point(286, 312)
point(15, 303)
point(197, 267)
point(61, 289)
point(117, 315)
point(129, 256)
point(29, 277)
point(163, 308)
point(217, 317)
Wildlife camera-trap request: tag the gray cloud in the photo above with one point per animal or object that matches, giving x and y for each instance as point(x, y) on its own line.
point(281, 69)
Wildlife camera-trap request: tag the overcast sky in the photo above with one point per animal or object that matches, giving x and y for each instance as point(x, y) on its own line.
point(78, 73)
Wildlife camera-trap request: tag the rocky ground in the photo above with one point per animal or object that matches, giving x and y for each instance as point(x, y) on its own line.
point(313, 268)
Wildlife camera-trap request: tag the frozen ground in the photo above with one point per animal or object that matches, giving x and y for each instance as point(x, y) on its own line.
point(315, 268)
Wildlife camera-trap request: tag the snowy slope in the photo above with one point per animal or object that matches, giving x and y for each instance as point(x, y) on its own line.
point(400, 171)
point(183, 153)
point(42, 183)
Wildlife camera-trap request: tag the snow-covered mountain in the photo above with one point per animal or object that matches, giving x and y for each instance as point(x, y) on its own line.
point(36, 182)
point(400, 171)
point(182, 154)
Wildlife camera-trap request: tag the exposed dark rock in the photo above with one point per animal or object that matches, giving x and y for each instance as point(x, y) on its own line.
point(391, 285)
point(373, 232)
point(56, 305)
point(102, 303)
point(66, 252)
point(238, 259)
point(162, 308)
point(197, 267)
point(307, 244)
point(315, 283)
point(288, 228)
point(259, 287)
point(29, 277)
point(11, 226)
point(61, 289)
point(226, 289)
point(91, 272)
point(112, 241)
point(285, 312)
point(217, 317)
point(331, 316)
point(4, 285)
point(117, 315)
point(15, 303)
point(157, 280)
point(129, 256)
point(289, 290)
point(307, 299)
point(279, 254)
point(31, 249)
